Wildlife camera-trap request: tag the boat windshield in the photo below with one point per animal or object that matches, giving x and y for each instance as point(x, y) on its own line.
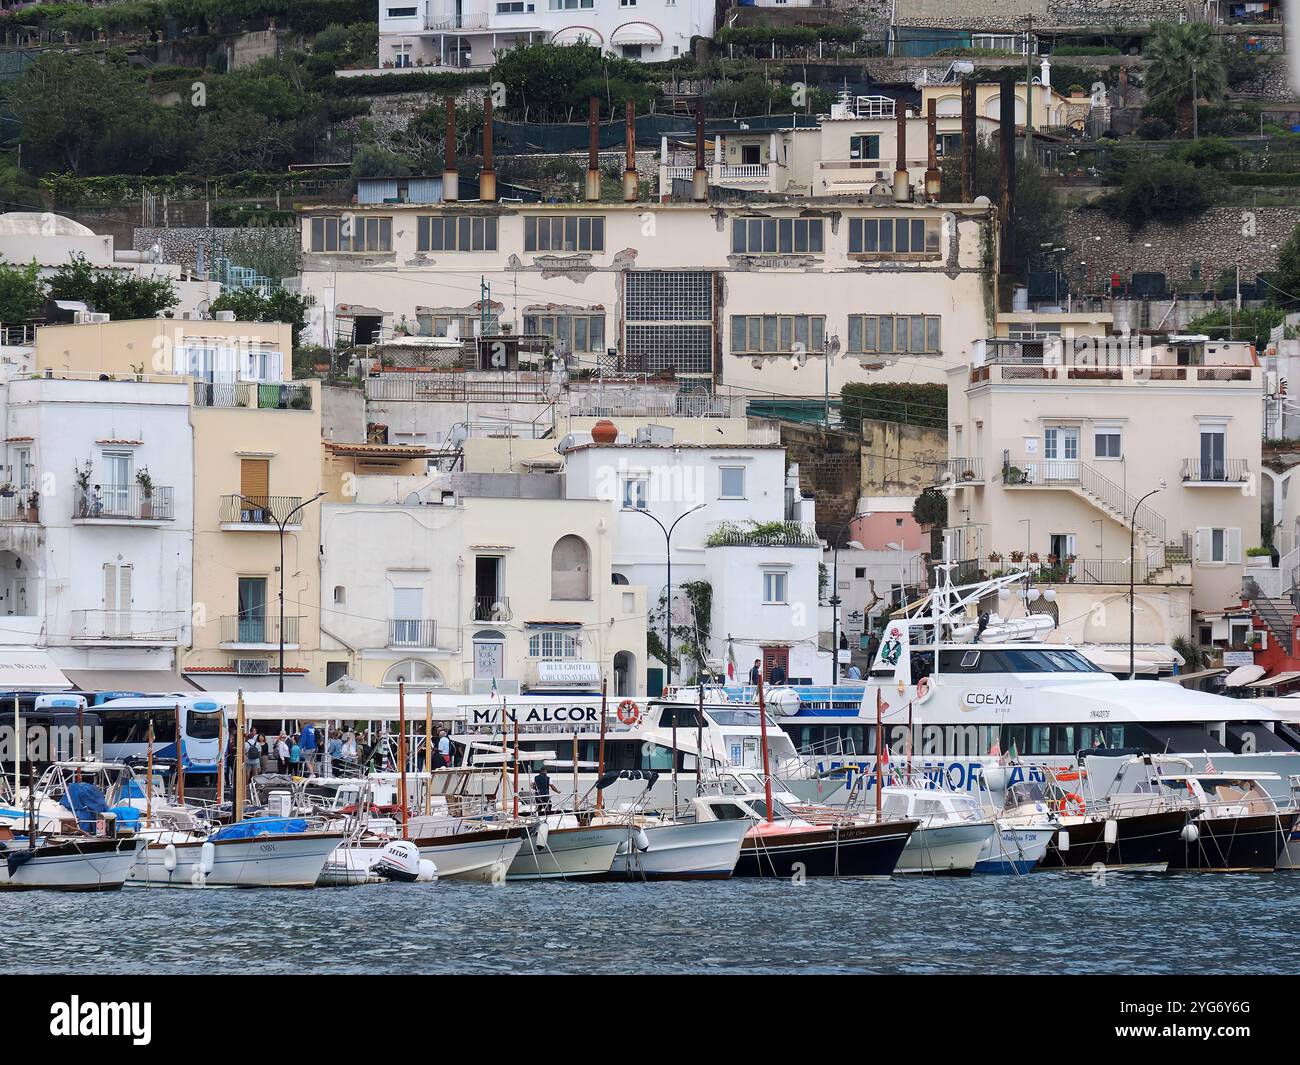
point(1025, 793)
point(779, 809)
point(736, 717)
point(1016, 660)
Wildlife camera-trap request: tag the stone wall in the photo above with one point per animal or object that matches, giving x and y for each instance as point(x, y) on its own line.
point(181, 245)
point(1012, 14)
point(899, 459)
point(830, 469)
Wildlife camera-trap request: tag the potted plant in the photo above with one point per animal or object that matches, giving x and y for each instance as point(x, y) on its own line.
point(995, 556)
point(1017, 556)
point(1259, 558)
point(34, 507)
point(82, 476)
point(145, 480)
point(968, 475)
point(1033, 557)
point(7, 490)
point(1013, 475)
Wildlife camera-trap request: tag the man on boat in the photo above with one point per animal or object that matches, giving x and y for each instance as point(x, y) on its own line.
point(542, 789)
point(756, 672)
point(444, 749)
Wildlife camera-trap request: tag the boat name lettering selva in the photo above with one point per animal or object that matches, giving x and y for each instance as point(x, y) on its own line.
point(536, 715)
point(978, 699)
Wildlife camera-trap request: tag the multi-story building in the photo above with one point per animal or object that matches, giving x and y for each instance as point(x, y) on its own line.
point(466, 33)
point(1062, 449)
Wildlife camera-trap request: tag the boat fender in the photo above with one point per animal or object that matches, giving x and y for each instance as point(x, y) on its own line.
point(543, 833)
point(1111, 832)
point(207, 857)
point(1190, 833)
point(1063, 840)
point(169, 857)
point(428, 872)
point(641, 840)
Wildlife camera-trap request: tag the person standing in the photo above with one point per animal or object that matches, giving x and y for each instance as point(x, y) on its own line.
point(777, 675)
point(252, 755)
point(542, 790)
point(282, 752)
point(756, 672)
point(444, 749)
point(295, 757)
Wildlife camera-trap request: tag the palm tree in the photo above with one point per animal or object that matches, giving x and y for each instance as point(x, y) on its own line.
point(1180, 57)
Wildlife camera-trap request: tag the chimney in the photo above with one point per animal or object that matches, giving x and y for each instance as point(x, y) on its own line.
point(631, 186)
point(1006, 167)
point(450, 178)
point(967, 141)
point(699, 179)
point(593, 149)
point(933, 181)
point(487, 178)
point(902, 183)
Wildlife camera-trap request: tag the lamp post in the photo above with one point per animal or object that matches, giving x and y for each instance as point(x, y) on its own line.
point(280, 524)
point(1132, 609)
point(835, 594)
point(668, 601)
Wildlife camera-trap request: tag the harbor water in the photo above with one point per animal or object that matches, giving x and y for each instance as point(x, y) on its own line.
point(1045, 922)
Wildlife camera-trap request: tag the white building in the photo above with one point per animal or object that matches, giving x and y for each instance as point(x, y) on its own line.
point(466, 33)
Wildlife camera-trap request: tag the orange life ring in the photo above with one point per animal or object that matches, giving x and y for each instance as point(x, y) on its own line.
point(1072, 803)
point(628, 712)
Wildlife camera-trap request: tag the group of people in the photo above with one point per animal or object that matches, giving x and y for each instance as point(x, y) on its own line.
point(295, 754)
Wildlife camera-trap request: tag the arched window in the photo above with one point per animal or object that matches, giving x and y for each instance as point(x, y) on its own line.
point(618, 578)
point(415, 672)
point(570, 568)
point(340, 595)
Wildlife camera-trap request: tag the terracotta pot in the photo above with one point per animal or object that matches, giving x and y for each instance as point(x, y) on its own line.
point(604, 432)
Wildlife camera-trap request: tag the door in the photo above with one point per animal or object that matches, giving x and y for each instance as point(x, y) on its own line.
point(750, 155)
point(1212, 455)
point(488, 602)
point(255, 487)
point(117, 598)
point(1061, 453)
point(252, 610)
point(772, 658)
point(116, 488)
point(1064, 548)
point(407, 606)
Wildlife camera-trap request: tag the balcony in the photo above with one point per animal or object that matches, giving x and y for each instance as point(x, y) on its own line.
point(1216, 472)
point(262, 513)
point(960, 472)
point(128, 627)
point(118, 504)
point(1048, 570)
point(19, 507)
point(257, 631)
point(252, 395)
point(492, 608)
point(406, 632)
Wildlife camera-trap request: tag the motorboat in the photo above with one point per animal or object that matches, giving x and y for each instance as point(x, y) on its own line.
point(1026, 825)
point(560, 846)
point(66, 863)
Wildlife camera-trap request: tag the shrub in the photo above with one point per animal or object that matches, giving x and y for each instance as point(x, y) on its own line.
point(1166, 190)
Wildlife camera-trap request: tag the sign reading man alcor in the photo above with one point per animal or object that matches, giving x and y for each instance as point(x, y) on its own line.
point(537, 715)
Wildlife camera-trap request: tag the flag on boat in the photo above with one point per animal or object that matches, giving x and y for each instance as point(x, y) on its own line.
point(893, 652)
point(493, 693)
point(1209, 763)
point(995, 749)
point(731, 660)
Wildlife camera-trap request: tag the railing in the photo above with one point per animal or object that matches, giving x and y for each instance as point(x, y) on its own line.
point(136, 626)
point(1061, 571)
point(404, 632)
point(252, 395)
point(257, 628)
point(451, 386)
point(957, 470)
point(1233, 471)
point(789, 534)
point(631, 403)
point(744, 171)
point(258, 510)
point(17, 506)
point(492, 608)
point(123, 502)
point(1073, 472)
point(17, 336)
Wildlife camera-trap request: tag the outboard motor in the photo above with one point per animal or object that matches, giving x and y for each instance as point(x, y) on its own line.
point(399, 860)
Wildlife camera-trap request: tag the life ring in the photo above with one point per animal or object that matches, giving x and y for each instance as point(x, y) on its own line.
point(1072, 803)
point(628, 712)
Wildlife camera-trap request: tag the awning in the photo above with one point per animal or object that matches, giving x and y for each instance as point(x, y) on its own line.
point(1243, 675)
point(574, 34)
point(30, 671)
point(1117, 662)
point(142, 681)
point(256, 682)
point(1200, 674)
point(1277, 680)
point(636, 33)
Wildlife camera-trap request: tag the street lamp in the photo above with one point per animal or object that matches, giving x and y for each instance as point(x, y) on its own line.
point(1132, 610)
point(835, 592)
point(668, 602)
point(280, 523)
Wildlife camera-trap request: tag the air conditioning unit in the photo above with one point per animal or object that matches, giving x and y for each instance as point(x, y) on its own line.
point(252, 667)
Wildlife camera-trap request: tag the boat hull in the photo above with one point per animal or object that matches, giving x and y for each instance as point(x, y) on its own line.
point(1252, 843)
point(856, 851)
point(1014, 851)
point(693, 850)
point(73, 865)
point(1143, 842)
point(479, 856)
point(567, 854)
point(946, 850)
point(294, 860)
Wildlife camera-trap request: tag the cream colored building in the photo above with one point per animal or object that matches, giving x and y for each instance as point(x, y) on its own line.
point(1054, 441)
point(785, 298)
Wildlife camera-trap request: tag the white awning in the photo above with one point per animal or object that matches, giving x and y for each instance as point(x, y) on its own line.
point(1243, 675)
point(1117, 662)
point(574, 34)
point(142, 681)
point(636, 33)
point(30, 671)
point(1274, 681)
point(1191, 678)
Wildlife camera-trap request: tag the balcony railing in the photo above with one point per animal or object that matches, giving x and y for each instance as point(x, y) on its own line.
point(252, 395)
point(1074, 474)
point(769, 534)
point(257, 629)
point(128, 626)
point(1059, 571)
point(18, 506)
point(958, 470)
point(259, 510)
point(405, 632)
point(492, 608)
point(1222, 471)
point(123, 502)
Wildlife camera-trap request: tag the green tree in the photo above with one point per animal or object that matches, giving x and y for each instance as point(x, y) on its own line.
point(22, 293)
point(1167, 190)
point(554, 83)
point(1184, 59)
point(1230, 324)
point(1287, 277)
point(370, 160)
point(117, 293)
point(279, 305)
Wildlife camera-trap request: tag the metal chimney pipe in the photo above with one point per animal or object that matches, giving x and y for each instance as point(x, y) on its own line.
point(933, 179)
point(450, 177)
point(902, 183)
point(487, 178)
point(631, 185)
point(699, 179)
point(593, 149)
point(968, 141)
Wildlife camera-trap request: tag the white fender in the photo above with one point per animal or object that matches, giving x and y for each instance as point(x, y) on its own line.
point(169, 857)
point(428, 872)
point(641, 840)
point(1191, 832)
point(543, 834)
point(1111, 832)
point(1063, 840)
point(207, 856)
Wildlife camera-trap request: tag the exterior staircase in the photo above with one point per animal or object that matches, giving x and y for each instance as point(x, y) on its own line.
point(1277, 612)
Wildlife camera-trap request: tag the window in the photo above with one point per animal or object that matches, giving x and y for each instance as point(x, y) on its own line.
point(731, 482)
point(440, 325)
point(340, 595)
point(402, 12)
point(864, 146)
point(884, 237)
point(552, 643)
point(777, 333)
point(776, 236)
point(1218, 545)
point(572, 5)
point(352, 234)
point(631, 51)
point(636, 491)
point(455, 233)
point(21, 468)
point(774, 586)
point(570, 568)
point(564, 233)
point(576, 332)
point(1108, 443)
point(915, 333)
point(512, 7)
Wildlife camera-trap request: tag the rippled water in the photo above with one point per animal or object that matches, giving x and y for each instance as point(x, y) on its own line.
point(1047, 922)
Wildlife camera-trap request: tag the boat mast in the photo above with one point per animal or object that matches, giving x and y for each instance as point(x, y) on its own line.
point(699, 742)
point(180, 759)
point(600, 757)
point(516, 765)
point(879, 763)
point(19, 742)
point(401, 756)
point(241, 756)
point(148, 790)
point(767, 769)
point(428, 752)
